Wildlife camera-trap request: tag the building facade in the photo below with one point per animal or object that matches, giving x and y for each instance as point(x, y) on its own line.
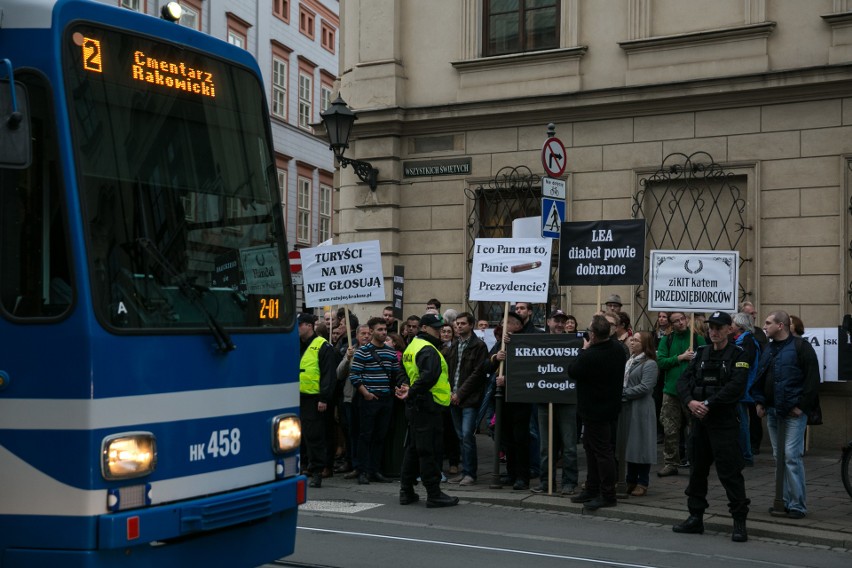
point(296, 45)
point(725, 124)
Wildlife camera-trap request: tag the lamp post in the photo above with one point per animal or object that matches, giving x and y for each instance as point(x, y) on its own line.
point(338, 120)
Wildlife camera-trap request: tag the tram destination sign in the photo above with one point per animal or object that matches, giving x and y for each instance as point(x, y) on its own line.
point(454, 167)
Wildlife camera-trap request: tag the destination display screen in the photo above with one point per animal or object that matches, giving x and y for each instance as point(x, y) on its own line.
point(171, 74)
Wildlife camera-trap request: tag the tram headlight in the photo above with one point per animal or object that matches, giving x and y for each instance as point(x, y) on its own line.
point(286, 433)
point(128, 455)
point(171, 12)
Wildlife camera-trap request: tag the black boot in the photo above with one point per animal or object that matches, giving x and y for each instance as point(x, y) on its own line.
point(441, 499)
point(362, 479)
point(379, 478)
point(316, 480)
point(692, 525)
point(598, 502)
point(740, 534)
point(408, 496)
point(585, 496)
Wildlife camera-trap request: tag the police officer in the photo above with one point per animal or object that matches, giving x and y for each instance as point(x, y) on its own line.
point(710, 388)
point(426, 395)
point(317, 373)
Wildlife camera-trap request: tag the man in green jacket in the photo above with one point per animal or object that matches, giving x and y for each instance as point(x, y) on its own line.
point(673, 357)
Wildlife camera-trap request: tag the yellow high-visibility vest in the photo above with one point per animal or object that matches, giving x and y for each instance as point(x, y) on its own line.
point(309, 369)
point(441, 390)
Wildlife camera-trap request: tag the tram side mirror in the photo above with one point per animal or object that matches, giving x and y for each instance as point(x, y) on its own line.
point(15, 141)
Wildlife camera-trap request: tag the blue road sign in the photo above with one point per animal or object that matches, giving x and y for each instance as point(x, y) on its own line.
point(552, 217)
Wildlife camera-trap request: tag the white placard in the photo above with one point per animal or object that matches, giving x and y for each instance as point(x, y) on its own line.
point(824, 341)
point(343, 274)
point(487, 336)
point(693, 281)
point(510, 270)
point(262, 269)
point(816, 337)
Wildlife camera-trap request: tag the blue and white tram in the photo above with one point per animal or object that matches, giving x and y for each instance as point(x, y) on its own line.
point(148, 356)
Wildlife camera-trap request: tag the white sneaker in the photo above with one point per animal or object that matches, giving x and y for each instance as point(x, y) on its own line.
point(467, 480)
point(457, 479)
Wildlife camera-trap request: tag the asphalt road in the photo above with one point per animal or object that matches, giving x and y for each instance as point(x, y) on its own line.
point(343, 530)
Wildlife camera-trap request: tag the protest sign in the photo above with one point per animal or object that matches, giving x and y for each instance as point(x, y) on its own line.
point(602, 253)
point(262, 270)
point(398, 290)
point(227, 272)
point(843, 353)
point(510, 270)
point(343, 274)
point(536, 366)
point(824, 342)
point(693, 281)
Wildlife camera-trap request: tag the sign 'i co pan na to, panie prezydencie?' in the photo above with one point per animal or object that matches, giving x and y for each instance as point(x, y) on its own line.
point(510, 270)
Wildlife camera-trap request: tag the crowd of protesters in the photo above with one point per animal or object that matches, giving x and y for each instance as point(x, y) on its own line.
point(635, 390)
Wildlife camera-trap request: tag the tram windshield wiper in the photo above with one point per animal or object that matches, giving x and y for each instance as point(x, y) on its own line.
point(223, 340)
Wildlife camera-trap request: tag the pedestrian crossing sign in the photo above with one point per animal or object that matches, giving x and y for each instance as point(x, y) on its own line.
point(552, 217)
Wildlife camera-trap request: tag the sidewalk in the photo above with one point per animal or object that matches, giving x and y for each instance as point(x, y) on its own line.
point(828, 523)
point(829, 520)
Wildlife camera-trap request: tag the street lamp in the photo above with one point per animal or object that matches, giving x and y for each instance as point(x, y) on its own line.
point(338, 119)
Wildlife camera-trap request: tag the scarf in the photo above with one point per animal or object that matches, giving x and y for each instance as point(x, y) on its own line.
point(634, 360)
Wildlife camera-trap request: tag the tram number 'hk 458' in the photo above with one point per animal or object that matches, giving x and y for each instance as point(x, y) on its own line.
point(222, 443)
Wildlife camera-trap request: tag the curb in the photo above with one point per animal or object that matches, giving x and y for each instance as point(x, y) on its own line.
point(789, 532)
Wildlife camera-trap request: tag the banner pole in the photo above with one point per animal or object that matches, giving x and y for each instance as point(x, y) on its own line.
point(691, 331)
point(348, 329)
point(550, 456)
point(498, 407)
point(599, 308)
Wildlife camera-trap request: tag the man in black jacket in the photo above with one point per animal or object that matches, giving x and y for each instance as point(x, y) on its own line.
point(317, 373)
point(710, 388)
point(465, 358)
point(426, 394)
point(599, 374)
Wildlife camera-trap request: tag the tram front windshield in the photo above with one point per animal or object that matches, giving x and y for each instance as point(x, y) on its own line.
point(177, 184)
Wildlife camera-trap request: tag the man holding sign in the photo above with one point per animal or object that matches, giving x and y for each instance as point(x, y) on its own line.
point(680, 282)
point(673, 356)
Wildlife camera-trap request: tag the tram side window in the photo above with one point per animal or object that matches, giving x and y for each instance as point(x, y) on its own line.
point(34, 253)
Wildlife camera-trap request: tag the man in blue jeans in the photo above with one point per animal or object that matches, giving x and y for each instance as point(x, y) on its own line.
point(468, 378)
point(785, 391)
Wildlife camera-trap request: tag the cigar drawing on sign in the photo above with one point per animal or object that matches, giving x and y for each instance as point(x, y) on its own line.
point(525, 267)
